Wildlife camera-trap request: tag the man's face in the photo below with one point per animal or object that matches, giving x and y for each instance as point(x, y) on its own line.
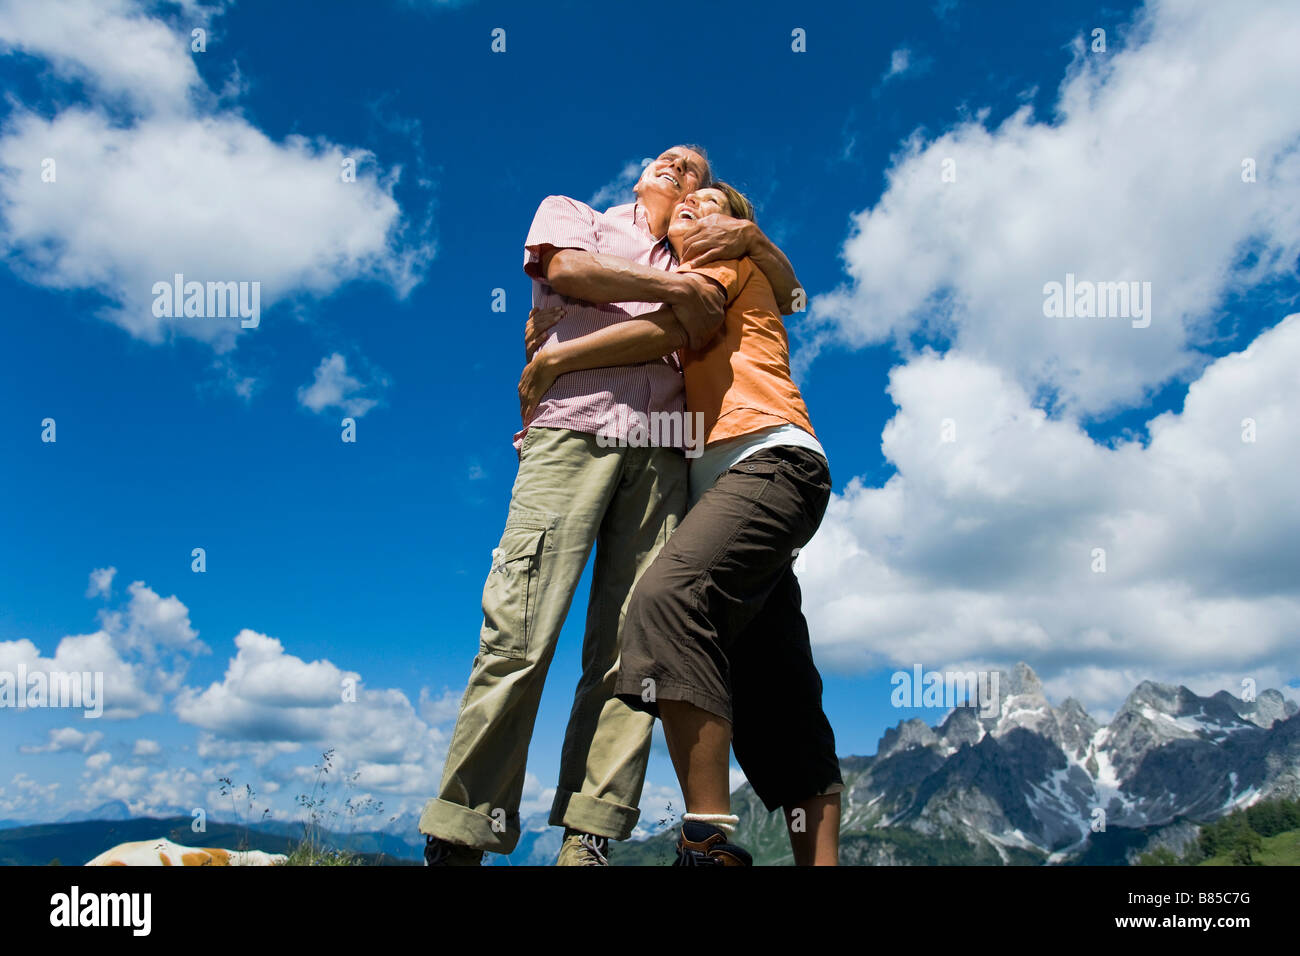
point(677, 173)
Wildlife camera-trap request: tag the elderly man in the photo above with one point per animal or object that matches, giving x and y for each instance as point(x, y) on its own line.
point(584, 481)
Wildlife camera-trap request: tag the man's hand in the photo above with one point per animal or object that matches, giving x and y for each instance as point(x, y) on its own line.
point(724, 237)
point(699, 308)
point(538, 328)
point(537, 377)
point(717, 237)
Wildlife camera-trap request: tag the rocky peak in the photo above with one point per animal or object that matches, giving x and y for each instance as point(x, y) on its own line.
point(908, 733)
point(1077, 728)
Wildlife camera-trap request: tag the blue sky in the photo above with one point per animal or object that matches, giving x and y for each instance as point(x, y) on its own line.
point(369, 557)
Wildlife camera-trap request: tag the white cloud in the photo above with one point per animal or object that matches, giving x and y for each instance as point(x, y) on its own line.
point(618, 190)
point(333, 387)
point(270, 698)
point(269, 705)
point(67, 739)
point(151, 793)
point(101, 582)
point(229, 377)
point(1125, 182)
point(180, 186)
point(125, 688)
point(152, 624)
point(229, 752)
point(440, 710)
point(982, 548)
point(109, 44)
point(142, 651)
point(661, 808)
point(96, 762)
point(24, 796)
point(899, 61)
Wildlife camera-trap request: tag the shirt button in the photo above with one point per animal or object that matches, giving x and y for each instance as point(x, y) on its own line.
point(749, 467)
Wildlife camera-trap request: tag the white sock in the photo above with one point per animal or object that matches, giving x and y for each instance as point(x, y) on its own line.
point(723, 821)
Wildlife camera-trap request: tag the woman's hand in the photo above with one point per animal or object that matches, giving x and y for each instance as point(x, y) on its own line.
point(538, 375)
point(538, 328)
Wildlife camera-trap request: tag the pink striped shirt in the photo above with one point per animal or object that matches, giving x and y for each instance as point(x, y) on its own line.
point(599, 401)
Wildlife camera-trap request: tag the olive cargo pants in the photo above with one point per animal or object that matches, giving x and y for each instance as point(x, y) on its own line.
point(569, 495)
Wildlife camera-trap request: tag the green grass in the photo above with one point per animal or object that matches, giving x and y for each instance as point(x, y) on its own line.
point(1282, 849)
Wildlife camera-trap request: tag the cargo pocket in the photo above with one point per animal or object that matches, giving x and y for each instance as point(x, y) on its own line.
point(752, 476)
point(510, 595)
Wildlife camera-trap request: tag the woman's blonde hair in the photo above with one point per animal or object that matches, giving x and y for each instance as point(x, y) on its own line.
point(741, 207)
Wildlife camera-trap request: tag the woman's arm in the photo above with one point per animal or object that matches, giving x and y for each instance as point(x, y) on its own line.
point(627, 342)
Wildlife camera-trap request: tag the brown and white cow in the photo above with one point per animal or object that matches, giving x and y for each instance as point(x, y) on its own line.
point(166, 853)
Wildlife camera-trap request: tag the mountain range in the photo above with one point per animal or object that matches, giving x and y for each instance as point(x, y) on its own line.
point(1034, 784)
point(1023, 783)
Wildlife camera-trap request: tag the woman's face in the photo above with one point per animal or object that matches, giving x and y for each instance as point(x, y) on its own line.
point(696, 205)
point(701, 203)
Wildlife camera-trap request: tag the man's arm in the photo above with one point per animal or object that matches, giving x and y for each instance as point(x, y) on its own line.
point(724, 237)
point(697, 301)
point(598, 277)
point(643, 338)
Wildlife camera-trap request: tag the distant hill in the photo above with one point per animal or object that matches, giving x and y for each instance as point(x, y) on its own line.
point(72, 844)
point(113, 810)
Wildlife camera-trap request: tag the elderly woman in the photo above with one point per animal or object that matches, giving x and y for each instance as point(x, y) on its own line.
point(715, 642)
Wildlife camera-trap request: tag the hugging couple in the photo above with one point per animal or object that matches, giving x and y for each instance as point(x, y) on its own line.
point(665, 306)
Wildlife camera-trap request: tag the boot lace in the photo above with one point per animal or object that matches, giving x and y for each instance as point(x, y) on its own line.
point(595, 849)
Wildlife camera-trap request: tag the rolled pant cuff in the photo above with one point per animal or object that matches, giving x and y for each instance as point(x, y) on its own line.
point(593, 815)
point(457, 824)
point(666, 689)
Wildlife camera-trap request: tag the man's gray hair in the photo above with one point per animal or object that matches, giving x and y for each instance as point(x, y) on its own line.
point(708, 169)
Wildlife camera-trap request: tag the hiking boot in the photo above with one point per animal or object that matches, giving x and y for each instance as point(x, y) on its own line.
point(703, 844)
point(583, 849)
point(441, 853)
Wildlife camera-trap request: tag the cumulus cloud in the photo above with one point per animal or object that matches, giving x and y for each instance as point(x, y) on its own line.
point(1124, 182)
point(153, 178)
point(333, 388)
point(149, 792)
point(151, 624)
point(101, 582)
point(1007, 533)
point(440, 710)
point(269, 705)
point(67, 739)
point(273, 699)
point(229, 752)
point(110, 44)
point(142, 652)
point(23, 796)
point(96, 762)
point(126, 692)
point(984, 546)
